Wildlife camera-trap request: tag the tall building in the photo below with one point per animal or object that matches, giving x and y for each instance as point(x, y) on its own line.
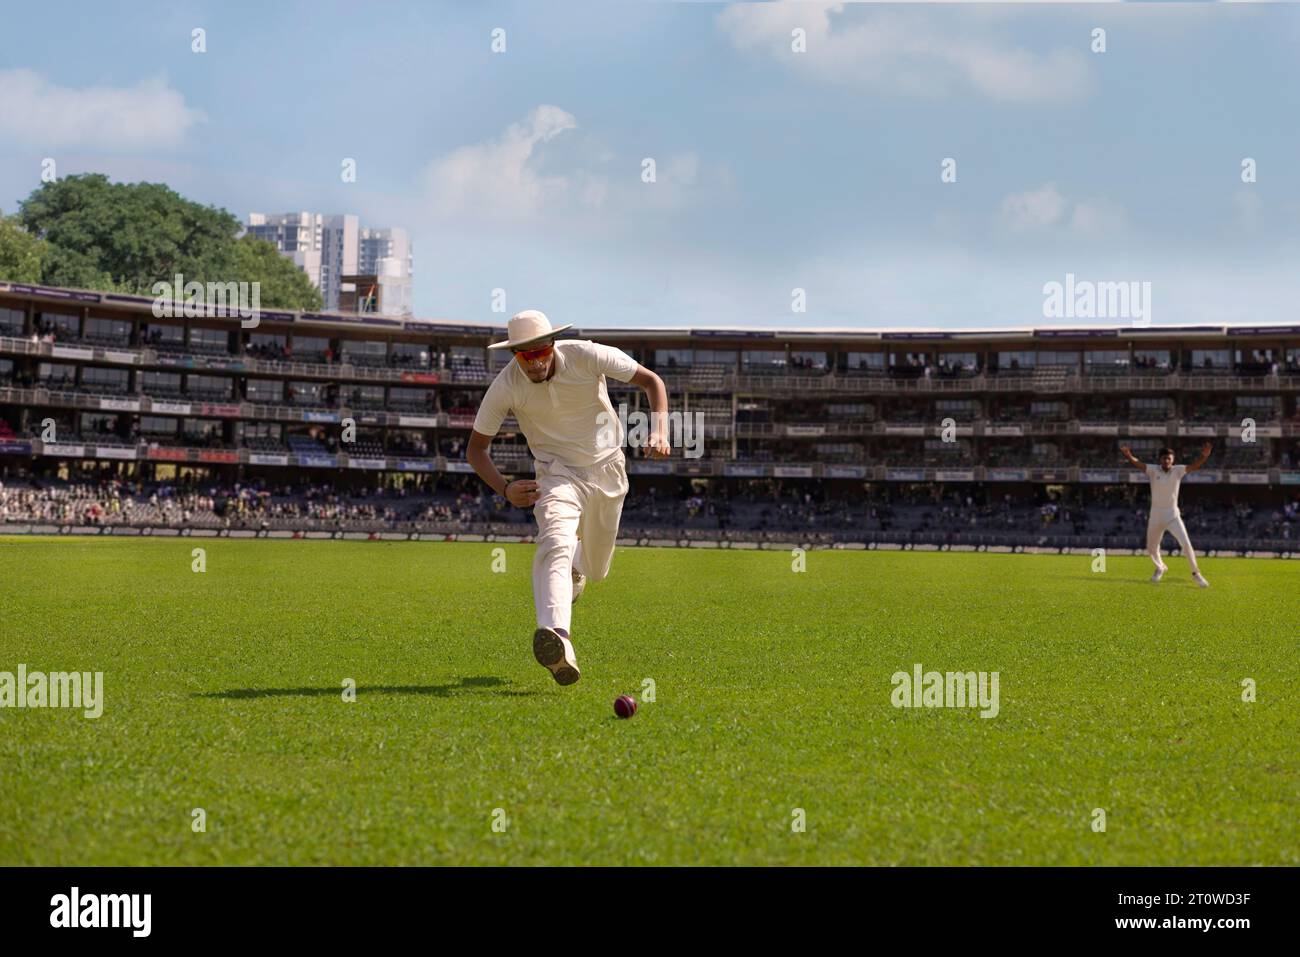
point(327, 248)
point(386, 254)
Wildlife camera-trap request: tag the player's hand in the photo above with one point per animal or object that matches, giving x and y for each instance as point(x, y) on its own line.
point(523, 493)
point(1206, 449)
point(658, 447)
point(1126, 450)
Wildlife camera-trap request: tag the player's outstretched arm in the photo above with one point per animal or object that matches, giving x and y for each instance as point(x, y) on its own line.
point(657, 393)
point(1132, 459)
point(1206, 449)
point(522, 493)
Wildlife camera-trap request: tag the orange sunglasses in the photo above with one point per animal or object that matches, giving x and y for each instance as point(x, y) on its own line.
point(532, 355)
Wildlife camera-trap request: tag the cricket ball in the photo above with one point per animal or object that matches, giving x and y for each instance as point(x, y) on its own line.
point(625, 706)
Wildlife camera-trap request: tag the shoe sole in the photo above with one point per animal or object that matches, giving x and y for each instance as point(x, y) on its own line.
point(549, 650)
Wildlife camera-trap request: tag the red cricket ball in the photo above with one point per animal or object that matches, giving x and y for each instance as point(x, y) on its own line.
point(625, 706)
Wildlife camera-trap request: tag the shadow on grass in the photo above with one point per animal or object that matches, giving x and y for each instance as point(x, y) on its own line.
point(489, 683)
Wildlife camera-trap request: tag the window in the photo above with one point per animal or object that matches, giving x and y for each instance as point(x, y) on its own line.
point(863, 361)
point(957, 408)
point(847, 410)
point(162, 383)
point(164, 335)
point(717, 357)
point(1106, 360)
point(155, 425)
point(673, 358)
point(365, 397)
point(105, 380)
point(205, 430)
point(908, 360)
point(808, 361)
point(1258, 407)
point(768, 361)
point(1049, 410)
point(11, 322)
point(957, 363)
point(306, 393)
point(208, 386)
point(415, 400)
point(1069, 359)
point(1151, 360)
point(209, 340)
point(1012, 361)
point(309, 346)
point(261, 430)
point(60, 324)
point(265, 390)
point(410, 354)
point(1209, 359)
point(55, 374)
point(1146, 409)
point(108, 330)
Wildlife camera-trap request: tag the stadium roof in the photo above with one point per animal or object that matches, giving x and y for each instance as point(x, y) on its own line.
point(400, 324)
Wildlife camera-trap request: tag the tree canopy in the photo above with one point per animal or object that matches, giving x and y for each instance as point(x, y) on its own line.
point(86, 232)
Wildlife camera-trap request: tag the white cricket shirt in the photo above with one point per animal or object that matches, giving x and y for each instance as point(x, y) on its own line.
point(561, 417)
point(1164, 485)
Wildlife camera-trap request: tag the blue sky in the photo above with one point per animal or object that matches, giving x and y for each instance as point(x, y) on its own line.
point(775, 170)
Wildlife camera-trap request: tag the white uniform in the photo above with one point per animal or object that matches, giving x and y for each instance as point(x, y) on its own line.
point(1165, 516)
point(581, 474)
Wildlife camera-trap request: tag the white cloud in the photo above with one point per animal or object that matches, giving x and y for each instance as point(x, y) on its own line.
point(1033, 209)
point(905, 51)
point(36, 111)
point(1047, 208)
point(499, 178)
point(1098, 217)
point(512, 179)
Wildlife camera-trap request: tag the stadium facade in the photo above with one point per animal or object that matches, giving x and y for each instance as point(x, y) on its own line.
point(94, 385)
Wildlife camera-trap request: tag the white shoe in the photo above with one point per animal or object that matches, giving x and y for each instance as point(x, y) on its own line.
point(1160, 573)
point(1200, 580)
point(579, 584)
point(554, 652)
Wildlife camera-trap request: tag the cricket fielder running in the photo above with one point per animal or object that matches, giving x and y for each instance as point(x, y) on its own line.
point(557, 392)
point(1165, 479)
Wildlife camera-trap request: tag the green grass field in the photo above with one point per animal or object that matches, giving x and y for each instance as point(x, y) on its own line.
point(224, 692)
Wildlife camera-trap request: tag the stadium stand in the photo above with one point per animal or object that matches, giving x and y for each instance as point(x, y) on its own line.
point(989, 438)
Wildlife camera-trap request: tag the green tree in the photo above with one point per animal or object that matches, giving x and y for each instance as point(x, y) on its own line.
point(284, 285)
point(128, 235)
point(120, 237)
point(21, 254)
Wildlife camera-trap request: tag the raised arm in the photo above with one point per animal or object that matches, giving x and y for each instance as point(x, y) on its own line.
point(1205, 454)
point(1132, 459)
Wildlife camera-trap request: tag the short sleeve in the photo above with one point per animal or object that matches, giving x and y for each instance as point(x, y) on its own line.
point(1151, 471)
point(1181, 470)
point(494, 408)
point(612, 362)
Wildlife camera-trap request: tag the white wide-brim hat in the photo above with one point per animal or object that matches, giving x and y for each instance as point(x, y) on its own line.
point(526, 328)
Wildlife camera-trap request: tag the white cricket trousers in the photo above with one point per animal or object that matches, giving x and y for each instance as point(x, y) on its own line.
point(1168, 520)
point(574, 503)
